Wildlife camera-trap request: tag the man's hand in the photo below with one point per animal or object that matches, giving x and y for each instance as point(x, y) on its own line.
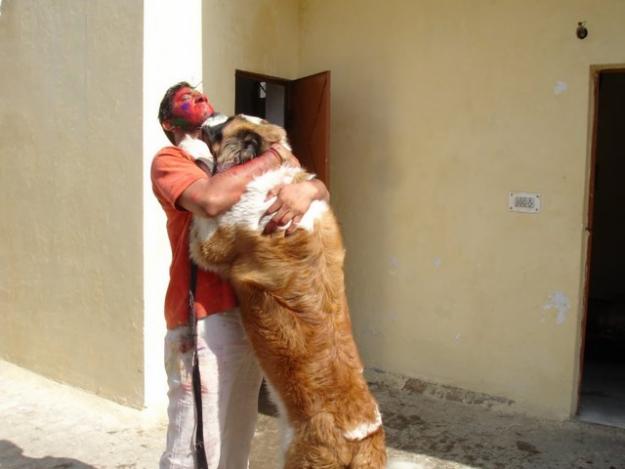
point(292, 202)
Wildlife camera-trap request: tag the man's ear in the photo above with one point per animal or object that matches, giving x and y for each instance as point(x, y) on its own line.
point(166, 125)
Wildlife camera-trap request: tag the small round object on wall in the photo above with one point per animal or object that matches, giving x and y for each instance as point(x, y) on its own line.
point(581, 31)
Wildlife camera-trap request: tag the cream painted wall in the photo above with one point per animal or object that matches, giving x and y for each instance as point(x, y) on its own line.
point(84, 250)
point(172, 52)
point(440, 109)
point(253, 35)
point(70, 241)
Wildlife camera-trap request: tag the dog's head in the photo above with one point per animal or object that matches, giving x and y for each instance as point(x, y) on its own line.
point(238, 139)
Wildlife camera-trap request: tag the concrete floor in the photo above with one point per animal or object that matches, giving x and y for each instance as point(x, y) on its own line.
point(44, 424)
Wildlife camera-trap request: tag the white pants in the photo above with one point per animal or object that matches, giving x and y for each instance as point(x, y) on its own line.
point(231, 381)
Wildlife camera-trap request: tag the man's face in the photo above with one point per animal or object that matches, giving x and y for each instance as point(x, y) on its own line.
point(190, 108)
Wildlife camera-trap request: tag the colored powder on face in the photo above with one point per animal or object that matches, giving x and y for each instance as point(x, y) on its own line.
point(185, 106)
point(182, 123)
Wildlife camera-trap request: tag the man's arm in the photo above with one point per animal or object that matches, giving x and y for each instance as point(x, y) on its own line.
point(211, 196)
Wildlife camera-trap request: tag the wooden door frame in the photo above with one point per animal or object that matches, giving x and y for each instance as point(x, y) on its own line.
point(261, 77)
point(593, 118)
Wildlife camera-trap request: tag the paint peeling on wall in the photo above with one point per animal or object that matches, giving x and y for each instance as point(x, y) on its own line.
point(373, 331)
point(559, 302)
point(393, 263)
point(560, 87)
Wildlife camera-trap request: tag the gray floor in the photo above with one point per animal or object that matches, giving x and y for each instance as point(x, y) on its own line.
point(603, 393)
point(44, 424)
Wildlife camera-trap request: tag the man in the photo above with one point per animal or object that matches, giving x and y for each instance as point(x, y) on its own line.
point(230, 375)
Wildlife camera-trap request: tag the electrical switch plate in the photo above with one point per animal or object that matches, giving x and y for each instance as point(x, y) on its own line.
point(525, 202)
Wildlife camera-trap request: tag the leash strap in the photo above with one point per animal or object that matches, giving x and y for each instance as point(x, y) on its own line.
point(200, 453)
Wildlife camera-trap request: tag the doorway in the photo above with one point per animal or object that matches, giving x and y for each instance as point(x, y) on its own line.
point(261, 96)
point(602, 392)
point(301, 106)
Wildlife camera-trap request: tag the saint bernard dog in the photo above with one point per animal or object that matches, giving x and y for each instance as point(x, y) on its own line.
point(294, 309)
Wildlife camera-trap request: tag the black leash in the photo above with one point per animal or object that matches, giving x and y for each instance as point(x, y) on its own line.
point(200, 452)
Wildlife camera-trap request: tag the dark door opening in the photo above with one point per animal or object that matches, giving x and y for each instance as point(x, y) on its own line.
point(261, 96)
point(301, 106)
point(602, 396)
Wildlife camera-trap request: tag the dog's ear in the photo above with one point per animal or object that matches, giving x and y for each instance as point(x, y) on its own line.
point(212, 128)
point(275, 134)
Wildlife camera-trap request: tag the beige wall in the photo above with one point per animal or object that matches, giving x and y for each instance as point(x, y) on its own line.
point(172, 52)
point(440, 109)
point(83, 247)
point(261, 36)
point(70, 240)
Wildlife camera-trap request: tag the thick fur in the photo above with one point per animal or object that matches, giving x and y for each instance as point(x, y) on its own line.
point(294, 309)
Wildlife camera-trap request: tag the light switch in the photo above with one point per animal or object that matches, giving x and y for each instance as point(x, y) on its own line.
point(525, 202)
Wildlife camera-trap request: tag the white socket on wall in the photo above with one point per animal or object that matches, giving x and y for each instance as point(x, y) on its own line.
point(524, 202)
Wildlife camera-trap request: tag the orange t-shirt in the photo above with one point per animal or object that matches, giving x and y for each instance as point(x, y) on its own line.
point(173, 170)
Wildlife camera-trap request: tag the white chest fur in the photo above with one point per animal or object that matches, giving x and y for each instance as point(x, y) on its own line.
point(250, 211)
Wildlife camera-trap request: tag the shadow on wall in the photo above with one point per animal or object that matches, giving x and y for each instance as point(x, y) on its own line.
point(11, 457)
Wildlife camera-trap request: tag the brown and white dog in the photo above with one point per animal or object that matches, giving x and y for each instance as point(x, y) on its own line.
point(294, 310)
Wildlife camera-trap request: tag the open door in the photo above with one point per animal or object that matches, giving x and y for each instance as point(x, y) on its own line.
point(602, 390)
point(301, 106)
point(309, 122)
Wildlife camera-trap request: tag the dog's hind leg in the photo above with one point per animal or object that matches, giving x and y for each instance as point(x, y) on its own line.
point(318, 457)
point(317, 444)
point(371, 452)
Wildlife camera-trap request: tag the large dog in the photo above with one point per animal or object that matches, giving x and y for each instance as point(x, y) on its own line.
point(294, 309)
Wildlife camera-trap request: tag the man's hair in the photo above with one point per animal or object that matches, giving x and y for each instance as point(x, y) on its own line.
point(164, 110)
